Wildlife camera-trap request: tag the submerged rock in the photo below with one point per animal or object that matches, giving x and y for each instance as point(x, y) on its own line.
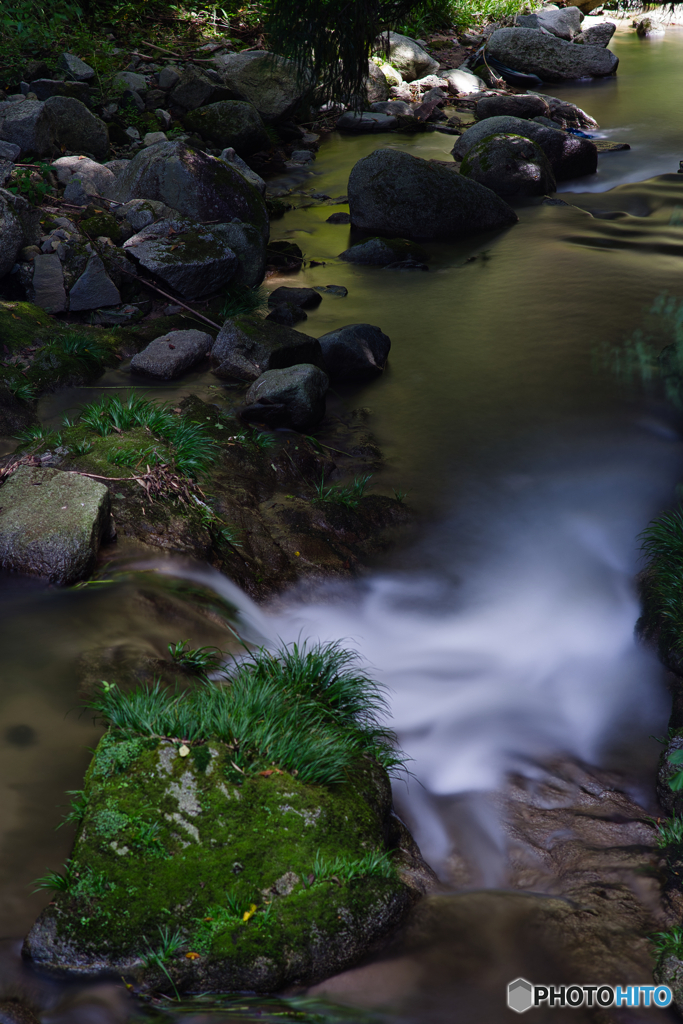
point(510, 165)
point(570, 156)
point(552, 59)
point(355, 352)
point(293, 397)
point(306, 298)
point(197, 185)
point(393, 193)
point(247, 346)
point(52, 523)
point(381, 252)
point(172, 354)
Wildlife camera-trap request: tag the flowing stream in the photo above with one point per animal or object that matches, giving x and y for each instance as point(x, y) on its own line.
point(504, 635)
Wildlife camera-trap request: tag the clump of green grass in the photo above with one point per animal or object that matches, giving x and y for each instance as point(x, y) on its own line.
point(239, 300)
point(662, 544)
point(22, 389)
point(308, 709)
point(192, 450)
point(58, 881)
point(344, 869)
point(196, 659)
point(78, 807)
point(349, 496)
point(669, 943)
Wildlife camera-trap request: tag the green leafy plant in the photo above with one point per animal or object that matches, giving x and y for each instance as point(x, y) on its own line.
point(349, 496)
point(79, 805)
point(22, 389)
point(80, 447)
point(308, 709)
point(196, 659)
point(35, 435)
point(58, 881)
point(668, 943)
point(670, 832)
point(23, 183)
point(676, 781)
point(344, 869)
point(662, 544)
point(170, 942)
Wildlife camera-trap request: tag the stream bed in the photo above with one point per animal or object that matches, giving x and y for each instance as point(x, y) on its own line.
point(504, 633)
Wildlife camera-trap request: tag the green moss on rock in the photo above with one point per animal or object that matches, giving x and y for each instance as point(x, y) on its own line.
point(234, 865)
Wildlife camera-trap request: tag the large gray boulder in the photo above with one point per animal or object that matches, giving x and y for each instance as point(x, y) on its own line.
point(172, 354)
point(293, 397)
point(271, 83)
point(230, 123)
point(552, 59)
point(565, 23)
point(355, 352)
point(410, 59)
point(462, 82)
point(393, 193)
point(524, 106)
point(75, 128)
point(510, 165)
point(84, 169)
point(193, 89)
point(376, 85)
point(27, 125)
point(570, 156)
point(75, 68)
point(249, 246)
point(247, 346)
point(597, 35)
point(193, 260)
point(47, 284)
point(197, 185)
point(52, 523)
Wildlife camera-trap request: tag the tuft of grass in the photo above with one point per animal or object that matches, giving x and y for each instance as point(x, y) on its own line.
point(79, 805)
point(58, 881)
point(243, 301)
point(22, 390)
point(35, 435)
point(668, 943)
point(196, 659)
point(344, 868)
point(255, 440)
point(662, 544)
point(349, 496)
point(80, 447)
point(309, 709)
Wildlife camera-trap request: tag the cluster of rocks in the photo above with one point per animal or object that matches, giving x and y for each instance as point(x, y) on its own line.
point(550, 44)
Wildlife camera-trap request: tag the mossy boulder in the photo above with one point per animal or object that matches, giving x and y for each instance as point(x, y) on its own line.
point(229, 123)
point(510, 165)
point(102, 224)
point(246, 871)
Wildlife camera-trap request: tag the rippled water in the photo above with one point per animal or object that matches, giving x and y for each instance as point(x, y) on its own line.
point(506, 634)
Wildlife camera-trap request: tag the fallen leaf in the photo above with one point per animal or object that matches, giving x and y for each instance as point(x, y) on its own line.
point(271, 771)
point(184, 751)
point(192, 956)
point(249, 913)
point(208, 919)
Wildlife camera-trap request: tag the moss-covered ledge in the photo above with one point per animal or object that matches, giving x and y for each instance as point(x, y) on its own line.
point(211, 860)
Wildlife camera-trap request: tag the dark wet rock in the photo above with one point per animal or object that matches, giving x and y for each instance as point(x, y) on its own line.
point(287, 313)
point(229, 154)
point(338, 290)
point(12, 233)
point(140, 213)
point(75, 68)
point(9, 152)
point(410, 59)
point(568, 115)
point(47, 284)
point(206, 827)
point(193, 260)
point(52, 523)
point(13, 1012)
point(339, 218)
point(272, 84)
point(393, 193)
point(306, 298)
point(230, 123)
point(510, 165)
point(353, 121)
point(26, 125)
point(46, 87)
point(565, 23)
point(172, 354)
point(94, 288)
point(376, 85)
point(281, 253)
point(247, 346)
point(395, 108)
point(524, 106)
point(552, 59)
point(570, 156)
point(197, 185)
point(380, 252)
point(249, 245)
point(193, 89)
point(355, 352)
point(75, 128)
point(597, 35)
point(293, 397)
point(35, 69)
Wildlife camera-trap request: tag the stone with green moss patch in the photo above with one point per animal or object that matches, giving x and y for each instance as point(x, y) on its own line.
point(230, 123)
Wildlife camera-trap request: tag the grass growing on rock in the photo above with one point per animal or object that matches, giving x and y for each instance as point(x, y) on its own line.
point(308, 710)
point(662, 544)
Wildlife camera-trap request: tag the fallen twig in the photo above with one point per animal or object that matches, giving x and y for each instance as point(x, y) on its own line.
point(172, 298)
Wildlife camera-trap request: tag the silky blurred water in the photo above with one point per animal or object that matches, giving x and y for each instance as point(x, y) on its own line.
point(505, 633)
